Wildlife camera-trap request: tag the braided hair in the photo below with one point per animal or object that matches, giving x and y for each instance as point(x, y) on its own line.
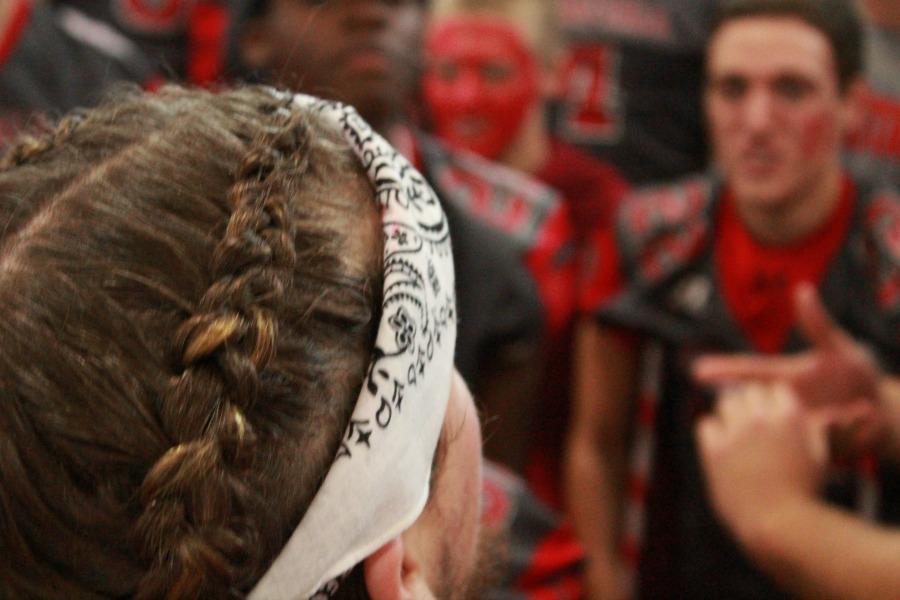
point(190, 284)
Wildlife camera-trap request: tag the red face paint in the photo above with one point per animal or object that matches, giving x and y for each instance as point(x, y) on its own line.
point(480, 83)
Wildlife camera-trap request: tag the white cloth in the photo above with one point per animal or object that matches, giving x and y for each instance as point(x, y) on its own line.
point(378, 484)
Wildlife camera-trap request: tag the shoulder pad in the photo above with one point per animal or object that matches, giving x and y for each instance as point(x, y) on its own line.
point(662, 228)
point(502, 197)
point(881, 217)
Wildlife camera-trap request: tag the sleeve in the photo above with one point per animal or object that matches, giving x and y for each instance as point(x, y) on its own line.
point(552, 260)
point(50, 65)
point(882, 324)
point(601, 277)
point(500, 314)
point(543, 558)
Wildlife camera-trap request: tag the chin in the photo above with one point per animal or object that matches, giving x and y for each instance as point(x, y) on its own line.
point(760, 191)
point(761, 196)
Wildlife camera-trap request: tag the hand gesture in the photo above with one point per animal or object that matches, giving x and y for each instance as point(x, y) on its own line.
point(837, 375)
point(761, 452)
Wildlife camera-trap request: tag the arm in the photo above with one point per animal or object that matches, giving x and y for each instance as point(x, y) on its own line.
point(506, 395)
point(596, 452)
point(890, 408)
point(764, 456)
point(819, 551)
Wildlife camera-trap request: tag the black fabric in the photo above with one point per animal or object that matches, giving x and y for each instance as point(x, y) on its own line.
point(653, 83)
point(497, 302)
point(50, 72)
point(164, 47)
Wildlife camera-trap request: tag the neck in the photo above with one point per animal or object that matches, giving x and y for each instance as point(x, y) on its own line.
point(794, 219)
point(530, 149)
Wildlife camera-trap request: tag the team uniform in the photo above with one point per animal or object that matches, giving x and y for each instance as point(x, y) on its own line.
point(632, 78)
point(506, 247)
point(185, 40)
point(528, 215)
point(682, 270)
point(541, 559)
point(59, 56)
point(591, 190)
point(874, 150)
point(54, 60)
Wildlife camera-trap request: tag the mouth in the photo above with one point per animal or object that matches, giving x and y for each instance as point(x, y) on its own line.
point(368, 59)
point(469, 127)
point(760, 161)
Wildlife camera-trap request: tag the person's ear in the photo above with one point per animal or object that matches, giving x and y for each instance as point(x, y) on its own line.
point(391, 573)
point(255, 46)
point(854, 105)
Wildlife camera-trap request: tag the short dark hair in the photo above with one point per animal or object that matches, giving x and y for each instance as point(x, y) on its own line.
point(838, 20)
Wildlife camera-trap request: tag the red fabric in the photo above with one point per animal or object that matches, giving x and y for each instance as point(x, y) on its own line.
point(557, 553)
point(592, 188)
point(10, 36)
point(757, 280)
point(554, 272)
point(601, 274)
point(207, 38)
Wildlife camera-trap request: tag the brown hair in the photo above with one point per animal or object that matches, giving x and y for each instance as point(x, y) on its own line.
point(190, 286)
point(838, 20)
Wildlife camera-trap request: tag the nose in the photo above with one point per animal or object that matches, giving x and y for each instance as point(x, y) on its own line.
point(367, 14)
point(759, 111)
point(467, 89)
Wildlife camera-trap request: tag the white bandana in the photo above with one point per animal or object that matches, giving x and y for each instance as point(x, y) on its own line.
point(378, 484)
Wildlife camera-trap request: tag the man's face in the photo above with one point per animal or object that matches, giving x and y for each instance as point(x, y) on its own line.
point(448, 531)
point(776, 113)
point(480, 82)
point(362, 52)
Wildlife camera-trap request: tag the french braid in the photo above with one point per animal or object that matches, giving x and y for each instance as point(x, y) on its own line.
point(195, 494)
point(191, 289)
point(31, 146)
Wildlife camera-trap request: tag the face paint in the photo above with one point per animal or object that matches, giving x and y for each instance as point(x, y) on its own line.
point(480, 83)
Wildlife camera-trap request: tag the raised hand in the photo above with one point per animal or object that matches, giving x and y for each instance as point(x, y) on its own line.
point(837, 374)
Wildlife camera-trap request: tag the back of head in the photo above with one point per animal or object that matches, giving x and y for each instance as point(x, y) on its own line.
point(190, 286)
point(838, 20)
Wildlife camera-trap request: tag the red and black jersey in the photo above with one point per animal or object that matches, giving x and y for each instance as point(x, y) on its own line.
point(532, 214)
point(631, 82)
point(544, 560)
point(53, 60)
point(591, 190)
point(184, 40)
point(498, 301)
point(681, 269)
point(873, 149)
point(65, 54)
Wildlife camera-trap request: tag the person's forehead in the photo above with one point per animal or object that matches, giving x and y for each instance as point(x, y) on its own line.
point(475, 34)
point(770, 45)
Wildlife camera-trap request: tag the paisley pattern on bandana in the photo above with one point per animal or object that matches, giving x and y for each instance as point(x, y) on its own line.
point(378, 483)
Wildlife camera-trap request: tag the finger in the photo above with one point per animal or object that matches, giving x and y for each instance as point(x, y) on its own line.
point(783, 398)
point(718, 369)
point(814, 321)
point(737, 402)
point(709, 433)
